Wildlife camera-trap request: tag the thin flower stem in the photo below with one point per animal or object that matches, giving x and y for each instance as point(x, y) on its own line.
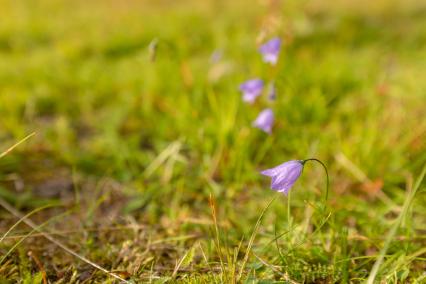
point(288, 212)
point(326, 172)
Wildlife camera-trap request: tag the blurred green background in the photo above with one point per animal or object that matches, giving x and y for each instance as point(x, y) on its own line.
point(137, 125)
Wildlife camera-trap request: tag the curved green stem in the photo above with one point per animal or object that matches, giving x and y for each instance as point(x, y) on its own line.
point(326, 172)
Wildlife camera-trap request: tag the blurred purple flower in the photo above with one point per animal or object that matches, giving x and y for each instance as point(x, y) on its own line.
point(216, 56)
point(251, 89)
point(284, 175)
point(272, 92)
point(270, 50)
point(264, 120)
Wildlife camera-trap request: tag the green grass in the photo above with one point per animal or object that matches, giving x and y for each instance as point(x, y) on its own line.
point(129, 146)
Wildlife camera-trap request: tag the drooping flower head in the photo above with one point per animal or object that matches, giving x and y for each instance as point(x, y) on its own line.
point(251, 89)
point(270, 50)
point(265, 120)
point(272, 92)
point(284, 175)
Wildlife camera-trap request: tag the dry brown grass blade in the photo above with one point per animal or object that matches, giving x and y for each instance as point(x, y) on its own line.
point(23, 234)
point(16, 145)
point(216, 232)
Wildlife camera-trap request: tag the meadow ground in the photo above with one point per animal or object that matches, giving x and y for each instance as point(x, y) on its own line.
point(145, 161)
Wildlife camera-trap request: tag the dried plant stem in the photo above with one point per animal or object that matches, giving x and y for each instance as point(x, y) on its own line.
point(40, 266)
point(5, 236)
point(3, 258)
point(216, 231)
point(16, 145)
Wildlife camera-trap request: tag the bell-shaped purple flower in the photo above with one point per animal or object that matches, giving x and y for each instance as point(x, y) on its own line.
point(270, 50)
point(251, 89)
point(284, 175)
point(272, 92)
point(265, 120)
